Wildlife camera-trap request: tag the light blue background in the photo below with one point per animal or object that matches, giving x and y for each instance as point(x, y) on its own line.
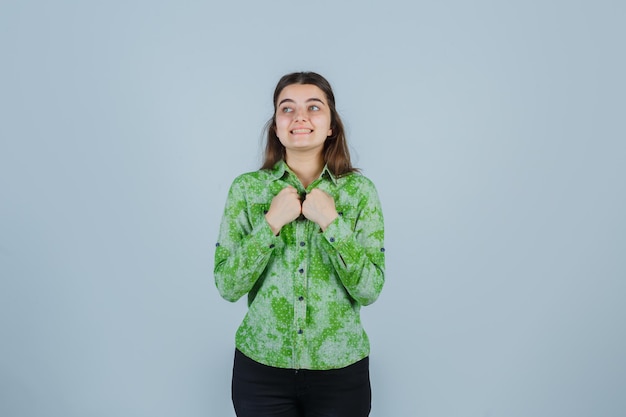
point(493, 130)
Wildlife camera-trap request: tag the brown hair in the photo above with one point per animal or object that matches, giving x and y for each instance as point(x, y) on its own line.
point(336, 154)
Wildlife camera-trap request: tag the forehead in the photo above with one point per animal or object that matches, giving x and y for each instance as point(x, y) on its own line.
point(301, 92)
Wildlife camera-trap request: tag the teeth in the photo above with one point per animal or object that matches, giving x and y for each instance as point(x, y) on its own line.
point(301, 131)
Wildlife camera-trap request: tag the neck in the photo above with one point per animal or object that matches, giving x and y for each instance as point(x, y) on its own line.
point(307, 168)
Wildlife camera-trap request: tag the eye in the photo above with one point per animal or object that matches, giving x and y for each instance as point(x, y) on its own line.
point(286, 109)
point(314, 108)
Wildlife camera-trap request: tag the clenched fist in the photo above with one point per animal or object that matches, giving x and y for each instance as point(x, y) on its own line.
point(319, 207)
point(285, 208)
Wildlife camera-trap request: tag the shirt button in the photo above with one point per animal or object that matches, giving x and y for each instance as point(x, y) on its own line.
point(300, 331)
point(332, 239)
point(382, 249)
point(272, 246)
point(301, 270)
point(301, 298)
point(217, 245)
point(302, 243)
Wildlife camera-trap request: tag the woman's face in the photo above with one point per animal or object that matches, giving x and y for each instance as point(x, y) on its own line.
point(302, 118)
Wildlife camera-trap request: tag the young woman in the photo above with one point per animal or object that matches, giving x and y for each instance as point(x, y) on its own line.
point(303, 238)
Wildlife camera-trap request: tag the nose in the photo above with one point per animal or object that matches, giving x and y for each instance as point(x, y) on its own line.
point(300, 115)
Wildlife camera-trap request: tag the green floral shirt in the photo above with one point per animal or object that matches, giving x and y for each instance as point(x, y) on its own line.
point(305, 287)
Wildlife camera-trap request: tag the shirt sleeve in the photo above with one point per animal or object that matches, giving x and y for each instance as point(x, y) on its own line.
point(243, 249)
point(358, 253)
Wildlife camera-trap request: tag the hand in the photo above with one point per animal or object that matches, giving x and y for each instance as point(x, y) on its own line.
point(319, 207)
point(285, 208)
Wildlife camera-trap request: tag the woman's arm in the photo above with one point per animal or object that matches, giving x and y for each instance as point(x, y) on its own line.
point(243, 249)
point(357, 253)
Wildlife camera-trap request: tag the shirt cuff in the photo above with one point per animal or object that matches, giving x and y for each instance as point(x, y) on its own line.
point(264, 237)
point(338, 232)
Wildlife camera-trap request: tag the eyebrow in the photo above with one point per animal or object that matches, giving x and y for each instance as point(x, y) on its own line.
point(288, 100)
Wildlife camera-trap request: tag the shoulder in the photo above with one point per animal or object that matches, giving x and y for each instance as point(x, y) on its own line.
point(356, 181)
point(255, 183)
point(356, 190)
point(252, 179)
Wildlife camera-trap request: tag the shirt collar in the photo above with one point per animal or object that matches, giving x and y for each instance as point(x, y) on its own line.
point(281, 169)
point(326, 173)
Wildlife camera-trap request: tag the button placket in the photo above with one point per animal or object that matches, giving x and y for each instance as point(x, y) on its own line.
point(300, 276)
point(300, 304)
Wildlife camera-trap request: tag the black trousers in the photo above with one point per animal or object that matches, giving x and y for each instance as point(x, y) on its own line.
point(264, 391)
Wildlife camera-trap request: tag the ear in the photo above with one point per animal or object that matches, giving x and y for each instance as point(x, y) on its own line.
point(330, 133)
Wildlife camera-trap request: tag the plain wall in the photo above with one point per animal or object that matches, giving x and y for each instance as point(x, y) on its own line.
point(494, 132)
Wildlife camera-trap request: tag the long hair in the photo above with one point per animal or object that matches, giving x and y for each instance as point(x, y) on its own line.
point(335, 153)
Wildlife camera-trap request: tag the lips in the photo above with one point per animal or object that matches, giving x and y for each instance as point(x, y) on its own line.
point(301, 131)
